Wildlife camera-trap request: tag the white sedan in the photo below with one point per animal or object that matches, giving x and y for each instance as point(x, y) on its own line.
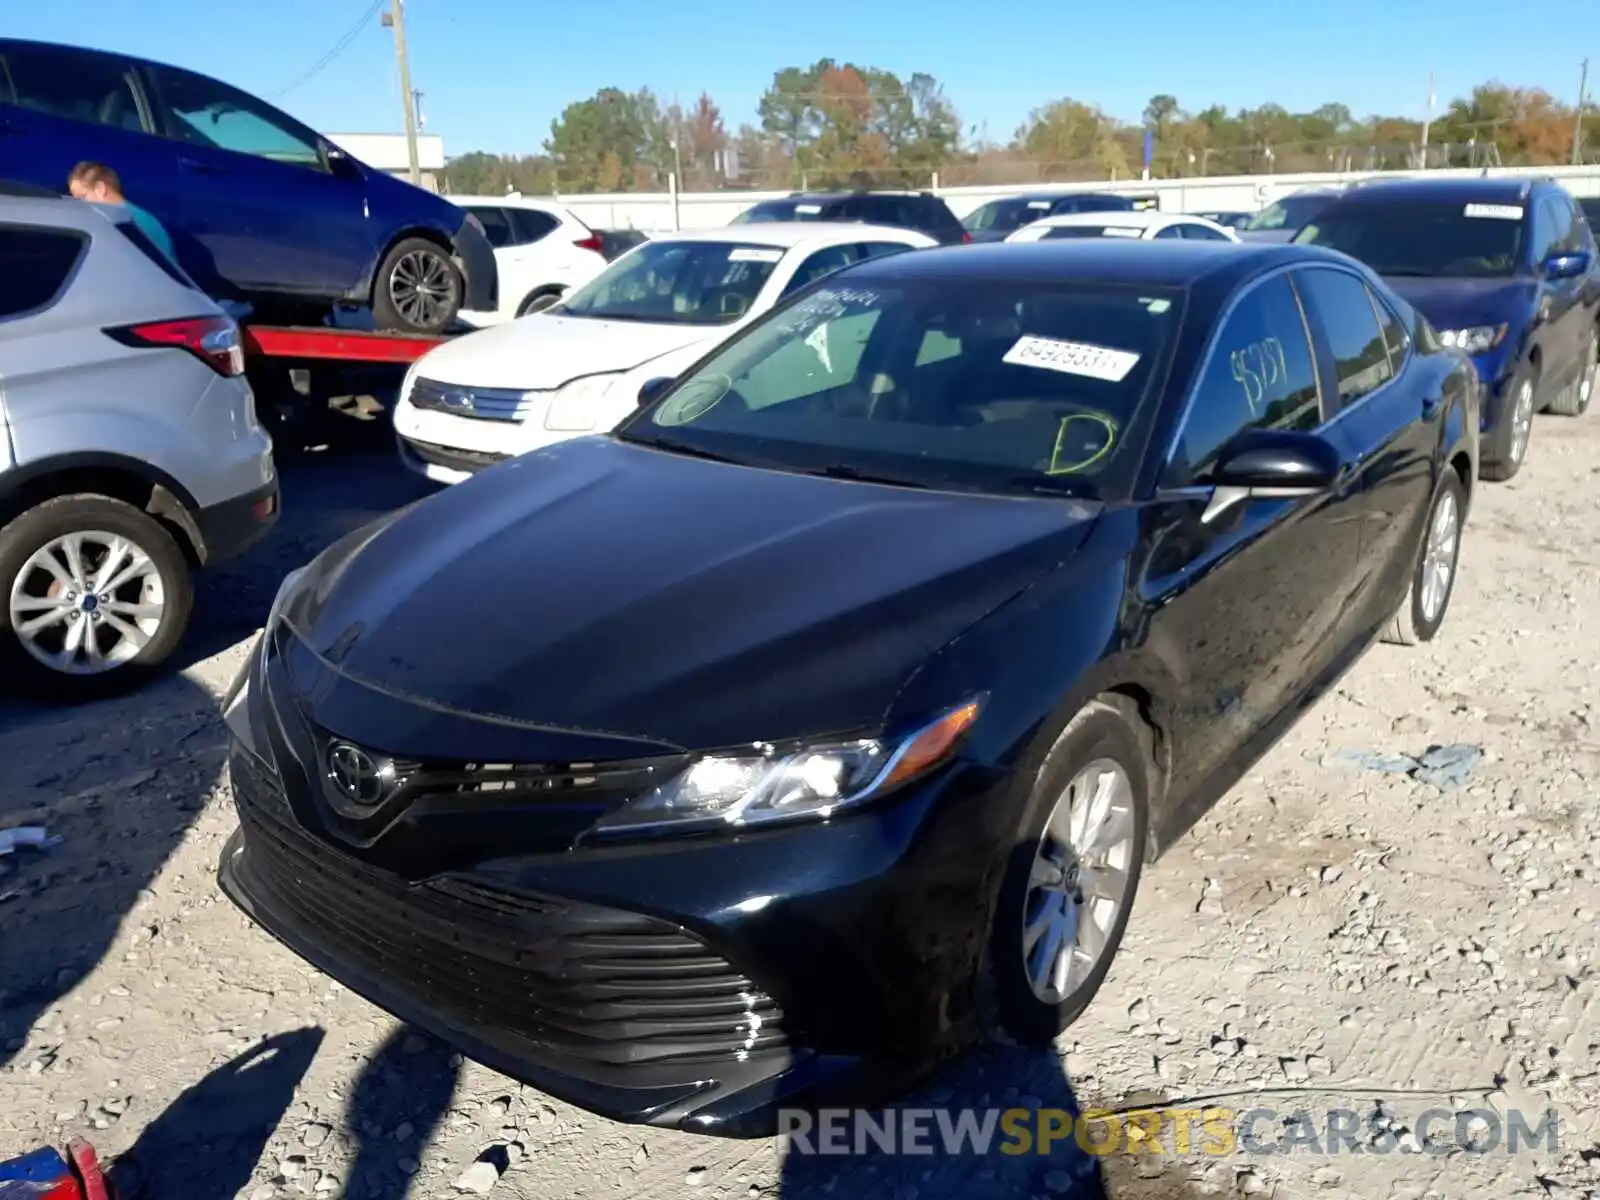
point(1136, 226)
point(577, 368)
point(540, 249)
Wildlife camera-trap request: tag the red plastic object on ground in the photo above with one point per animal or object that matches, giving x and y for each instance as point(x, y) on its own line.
point(48, 1175)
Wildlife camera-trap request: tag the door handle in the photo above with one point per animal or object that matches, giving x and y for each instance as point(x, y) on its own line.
point(198, 167)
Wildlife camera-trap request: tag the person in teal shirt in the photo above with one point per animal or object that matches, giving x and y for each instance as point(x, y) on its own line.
point(99, 184)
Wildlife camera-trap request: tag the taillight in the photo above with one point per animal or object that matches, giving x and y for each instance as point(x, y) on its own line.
point(966, 238)
point(213, 340)
point(594, 241)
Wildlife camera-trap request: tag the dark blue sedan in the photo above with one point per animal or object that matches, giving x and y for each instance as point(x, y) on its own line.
point(1506, 269)
point(723, 763)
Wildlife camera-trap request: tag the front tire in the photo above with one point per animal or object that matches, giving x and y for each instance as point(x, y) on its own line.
point(538, 301)
point(1433, 578)
point(1514, 430)
point(1575, 397)
point(94, 597)
point(1070, 884)
point(418, 288)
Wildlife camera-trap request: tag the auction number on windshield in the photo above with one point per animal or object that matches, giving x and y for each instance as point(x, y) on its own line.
point(1257, 367)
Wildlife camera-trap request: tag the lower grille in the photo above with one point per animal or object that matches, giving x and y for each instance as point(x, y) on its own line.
point(450, 459)
point(578, 981)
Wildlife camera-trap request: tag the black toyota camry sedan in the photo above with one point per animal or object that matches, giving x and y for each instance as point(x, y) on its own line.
point(819, 720)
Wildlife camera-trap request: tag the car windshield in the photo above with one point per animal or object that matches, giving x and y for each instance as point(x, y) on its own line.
point(1289, 213)
point(677, 283)
point(1002, 386)
point(1426, 238)
point(780, 210)
point(1006, 215)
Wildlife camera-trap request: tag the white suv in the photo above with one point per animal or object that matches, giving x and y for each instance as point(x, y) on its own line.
point(130, 452)
point(540, 249)
point(577, 367)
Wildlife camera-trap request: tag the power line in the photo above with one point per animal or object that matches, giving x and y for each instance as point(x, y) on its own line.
point(339, 48)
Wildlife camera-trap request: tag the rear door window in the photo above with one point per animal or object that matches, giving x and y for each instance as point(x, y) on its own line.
point(529, 225)
point(78, 85)
point(1341, 306)
point(204, 112)
point(496, 225)
point(36, 265)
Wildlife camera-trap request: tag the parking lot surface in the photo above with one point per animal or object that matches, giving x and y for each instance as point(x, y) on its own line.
point(1357, 927)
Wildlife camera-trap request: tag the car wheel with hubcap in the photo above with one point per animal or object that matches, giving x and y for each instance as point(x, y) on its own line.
point(418, 288)
point(94, 595)
point(538, 301)
point(1070, 882)
point(1575, 397)
point(1514, 430)
point(1433, 579)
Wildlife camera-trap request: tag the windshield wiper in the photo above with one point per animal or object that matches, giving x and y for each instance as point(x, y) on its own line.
point(851, 473)
point(684, 449)
point(1050, 485)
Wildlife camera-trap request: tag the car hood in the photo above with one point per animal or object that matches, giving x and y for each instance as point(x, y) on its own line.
point(1463, 303)
point(602, 587)
point(545, 350)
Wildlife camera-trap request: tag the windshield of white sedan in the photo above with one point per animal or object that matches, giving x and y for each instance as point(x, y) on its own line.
point(1000, 385)
point(677, 283)
point(1429, 238)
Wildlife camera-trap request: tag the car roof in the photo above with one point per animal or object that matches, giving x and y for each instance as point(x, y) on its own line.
point(1131, 219)
point(797, 233)
point(60, 212)
point(513, 201)
point(1478, 189)
point(847, 192)
point(1176, 264)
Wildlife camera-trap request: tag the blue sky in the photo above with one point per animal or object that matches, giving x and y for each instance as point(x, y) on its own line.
point(494, 72)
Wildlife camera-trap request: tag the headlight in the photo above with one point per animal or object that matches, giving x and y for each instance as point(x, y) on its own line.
point(1474, 340)
point(575, 407)
point(740, 790)
point(285, 590)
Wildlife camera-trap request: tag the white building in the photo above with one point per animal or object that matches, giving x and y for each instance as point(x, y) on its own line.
point(387, 152)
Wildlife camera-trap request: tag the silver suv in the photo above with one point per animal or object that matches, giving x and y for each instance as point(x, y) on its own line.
point(130, 453)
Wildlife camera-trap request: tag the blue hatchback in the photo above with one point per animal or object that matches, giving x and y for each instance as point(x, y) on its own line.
point(1506, 269)
point(259, 206)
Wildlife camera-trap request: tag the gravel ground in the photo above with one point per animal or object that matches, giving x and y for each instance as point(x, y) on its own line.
point(1350, 936)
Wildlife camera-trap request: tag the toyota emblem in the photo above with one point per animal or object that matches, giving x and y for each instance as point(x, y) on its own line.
point(356, 775)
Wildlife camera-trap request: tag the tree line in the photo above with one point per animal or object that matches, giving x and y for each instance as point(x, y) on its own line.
point(839, 124)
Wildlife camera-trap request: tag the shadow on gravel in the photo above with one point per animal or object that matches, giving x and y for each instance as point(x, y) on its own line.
point(1012, 1167)
point(207, 1142)
point(398, 1101)
point(119, 782)
point(337, 471)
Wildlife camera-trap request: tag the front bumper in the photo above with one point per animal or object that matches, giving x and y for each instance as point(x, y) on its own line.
point(442, 464)
point(478, 266)
point(700, 984)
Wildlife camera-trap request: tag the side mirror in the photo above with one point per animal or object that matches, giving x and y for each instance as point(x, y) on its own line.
point(1270, 463)
point(1566, 264)
point(339, 162)
point(653, 389)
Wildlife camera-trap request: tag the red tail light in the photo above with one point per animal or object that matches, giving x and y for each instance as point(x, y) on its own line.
point(966, 238)
point(594, 241)
point(213, 340)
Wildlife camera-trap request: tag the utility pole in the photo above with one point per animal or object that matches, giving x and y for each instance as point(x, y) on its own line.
point(1577, 122)
point(1427, 121)
point(396, 19)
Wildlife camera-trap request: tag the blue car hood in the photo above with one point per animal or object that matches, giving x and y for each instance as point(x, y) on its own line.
point(1463, 303)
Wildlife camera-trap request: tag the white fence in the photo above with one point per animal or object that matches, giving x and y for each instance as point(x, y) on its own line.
point(658, 211)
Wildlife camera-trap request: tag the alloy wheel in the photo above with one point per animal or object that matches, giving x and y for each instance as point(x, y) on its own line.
point(1079, 881)
point(421, 288)
point(1521, 420)
point(1439, 556)
point(87, 602)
